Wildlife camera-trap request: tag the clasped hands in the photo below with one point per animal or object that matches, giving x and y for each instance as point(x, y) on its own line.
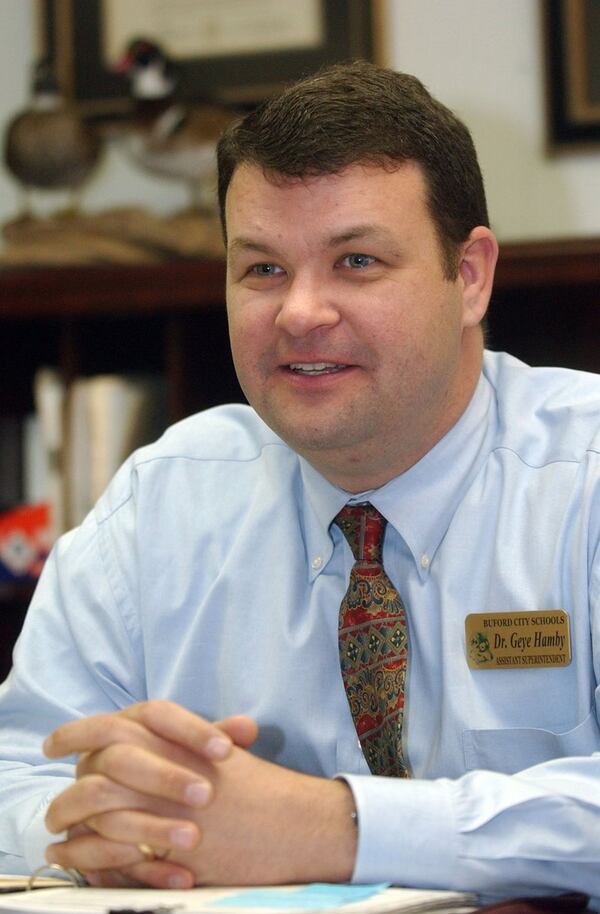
point(157, 776)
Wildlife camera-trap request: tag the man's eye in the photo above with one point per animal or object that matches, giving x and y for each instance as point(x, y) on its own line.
point(358, 261)
point(266, 269)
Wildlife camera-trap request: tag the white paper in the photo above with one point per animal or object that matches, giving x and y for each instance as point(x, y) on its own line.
point(272, 900)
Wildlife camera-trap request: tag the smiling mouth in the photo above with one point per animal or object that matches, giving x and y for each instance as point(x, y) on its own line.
point(315, 368)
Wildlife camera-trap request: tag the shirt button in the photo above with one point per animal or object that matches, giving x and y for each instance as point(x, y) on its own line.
point(317, 562)
point(425, 560)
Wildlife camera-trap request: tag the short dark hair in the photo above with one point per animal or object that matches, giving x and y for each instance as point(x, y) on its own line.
point(358, 112)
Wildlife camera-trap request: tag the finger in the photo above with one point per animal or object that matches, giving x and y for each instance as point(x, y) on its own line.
point(96, 794)
point(92, 852)
point(89, 762)
point(243, 730)
point(159, 875)
point(162, 874)
point(147, 773)
point(111, 879)
point(176, 724)
point(92, 855)
point(162, 718)
point(134, 827)
point(89, 734)
point(87, 797)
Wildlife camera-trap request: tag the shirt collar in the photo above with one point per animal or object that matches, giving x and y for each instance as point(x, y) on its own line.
point(321, 502)
point(421, 502)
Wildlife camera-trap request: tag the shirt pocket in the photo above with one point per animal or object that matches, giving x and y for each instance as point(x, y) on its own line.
point(514, 749)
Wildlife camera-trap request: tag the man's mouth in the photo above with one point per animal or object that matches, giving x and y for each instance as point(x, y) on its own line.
point(315, 368)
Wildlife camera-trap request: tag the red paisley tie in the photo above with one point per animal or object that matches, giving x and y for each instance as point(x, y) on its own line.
point(373, 643)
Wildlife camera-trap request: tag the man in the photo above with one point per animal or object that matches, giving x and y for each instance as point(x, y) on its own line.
point(208, 582)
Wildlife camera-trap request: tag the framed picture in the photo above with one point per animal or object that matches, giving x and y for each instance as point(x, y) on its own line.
point(234, 51)
point(573, 65)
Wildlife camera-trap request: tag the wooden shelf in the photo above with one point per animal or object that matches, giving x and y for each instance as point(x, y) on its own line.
point(110, 290)
point(545, 307)
point(568, 262)
point(167, 317)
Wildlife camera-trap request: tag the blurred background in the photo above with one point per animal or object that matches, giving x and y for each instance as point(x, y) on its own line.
point(483, 58)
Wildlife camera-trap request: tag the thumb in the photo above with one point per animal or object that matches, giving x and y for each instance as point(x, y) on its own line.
point(243, 730)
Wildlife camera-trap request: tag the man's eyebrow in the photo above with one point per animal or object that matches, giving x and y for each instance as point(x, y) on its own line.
point(241, 244)
point(368, 232)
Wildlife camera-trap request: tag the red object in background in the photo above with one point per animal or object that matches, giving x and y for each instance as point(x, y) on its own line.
point(24, 542)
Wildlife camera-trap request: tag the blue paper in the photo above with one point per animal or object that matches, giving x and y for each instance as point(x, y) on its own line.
point(313, 897)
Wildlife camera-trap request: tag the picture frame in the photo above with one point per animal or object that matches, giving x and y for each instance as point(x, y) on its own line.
point(224, 65)
point(572, 38)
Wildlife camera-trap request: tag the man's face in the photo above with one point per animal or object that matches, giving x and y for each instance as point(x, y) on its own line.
point(347, 339)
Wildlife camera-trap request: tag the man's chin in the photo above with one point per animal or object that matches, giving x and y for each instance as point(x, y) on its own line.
point(319, 428)
point(315, 439)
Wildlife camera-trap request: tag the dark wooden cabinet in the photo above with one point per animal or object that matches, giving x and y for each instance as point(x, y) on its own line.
point(546, 305)
point(170, 318)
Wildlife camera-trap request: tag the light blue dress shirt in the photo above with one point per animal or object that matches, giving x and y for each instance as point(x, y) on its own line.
point(210, 574)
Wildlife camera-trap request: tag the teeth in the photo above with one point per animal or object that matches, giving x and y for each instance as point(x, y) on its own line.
point(315, 367)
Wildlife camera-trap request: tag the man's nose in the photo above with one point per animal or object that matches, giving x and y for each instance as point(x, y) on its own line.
point(306, 306)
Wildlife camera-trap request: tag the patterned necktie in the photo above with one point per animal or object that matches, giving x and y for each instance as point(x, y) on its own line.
point(373, 643)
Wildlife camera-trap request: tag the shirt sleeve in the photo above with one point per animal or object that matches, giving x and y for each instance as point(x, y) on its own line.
point(76, 656)
point(532, 832)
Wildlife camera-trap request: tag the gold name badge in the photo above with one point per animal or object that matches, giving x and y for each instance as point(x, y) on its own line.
point(518, 640)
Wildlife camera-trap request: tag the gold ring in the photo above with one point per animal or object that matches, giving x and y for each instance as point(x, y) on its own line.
point(149, 853)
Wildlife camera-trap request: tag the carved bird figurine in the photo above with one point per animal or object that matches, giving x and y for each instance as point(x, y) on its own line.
point(166, 136)
point(48, 146)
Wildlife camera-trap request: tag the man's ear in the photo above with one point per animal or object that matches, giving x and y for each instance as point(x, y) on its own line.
point(476, 270)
